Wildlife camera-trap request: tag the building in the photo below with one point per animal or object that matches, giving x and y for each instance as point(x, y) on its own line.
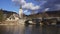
point(20, 12)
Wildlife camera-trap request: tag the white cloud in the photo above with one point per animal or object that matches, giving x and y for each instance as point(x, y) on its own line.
point(30, 6)
point(25, 5)
point(19, 1)
point(47, 9)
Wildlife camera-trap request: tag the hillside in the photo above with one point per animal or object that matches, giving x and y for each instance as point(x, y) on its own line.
point(53, 13)
point(4, 14)
point(45, 14)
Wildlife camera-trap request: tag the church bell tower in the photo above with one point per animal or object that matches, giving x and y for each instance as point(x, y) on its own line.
point(21, 12)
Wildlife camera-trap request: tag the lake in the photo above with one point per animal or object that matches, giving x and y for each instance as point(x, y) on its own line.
point(29, 29)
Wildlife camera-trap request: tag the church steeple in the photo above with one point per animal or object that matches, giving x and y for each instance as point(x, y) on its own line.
point(20, 12)
point(20, 6)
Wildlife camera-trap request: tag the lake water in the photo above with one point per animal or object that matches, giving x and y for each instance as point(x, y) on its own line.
point(29, 29)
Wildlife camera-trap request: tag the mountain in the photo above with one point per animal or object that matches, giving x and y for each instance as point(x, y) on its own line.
point(53, 13)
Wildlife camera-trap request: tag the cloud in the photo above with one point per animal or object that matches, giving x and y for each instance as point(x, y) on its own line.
point(52, 5)
point(46, 9)
point(25, 11)
point(19, 1)
point(57, 6)
point(26, 5)
point(30, 6)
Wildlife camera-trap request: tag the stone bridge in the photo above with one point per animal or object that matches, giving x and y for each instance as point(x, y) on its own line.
point(49, 20)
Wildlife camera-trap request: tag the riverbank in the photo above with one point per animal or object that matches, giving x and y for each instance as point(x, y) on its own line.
point(9, 23)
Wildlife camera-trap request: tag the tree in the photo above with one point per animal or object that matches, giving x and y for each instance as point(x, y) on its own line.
point(1, 15)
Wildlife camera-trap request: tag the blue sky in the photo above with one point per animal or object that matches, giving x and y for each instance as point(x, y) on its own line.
point(8, 5)
point(30, 5)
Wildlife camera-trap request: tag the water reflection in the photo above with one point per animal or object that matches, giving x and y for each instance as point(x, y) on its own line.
point(29, 29)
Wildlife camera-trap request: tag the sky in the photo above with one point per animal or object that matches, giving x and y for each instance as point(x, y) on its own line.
point(8, 5)
point(30, 6)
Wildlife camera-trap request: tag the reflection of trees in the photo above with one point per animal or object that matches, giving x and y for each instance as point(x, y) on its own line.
point(36, 29)
point(50, 30)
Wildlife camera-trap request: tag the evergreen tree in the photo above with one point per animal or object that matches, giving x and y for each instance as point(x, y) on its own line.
point(1, 15)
